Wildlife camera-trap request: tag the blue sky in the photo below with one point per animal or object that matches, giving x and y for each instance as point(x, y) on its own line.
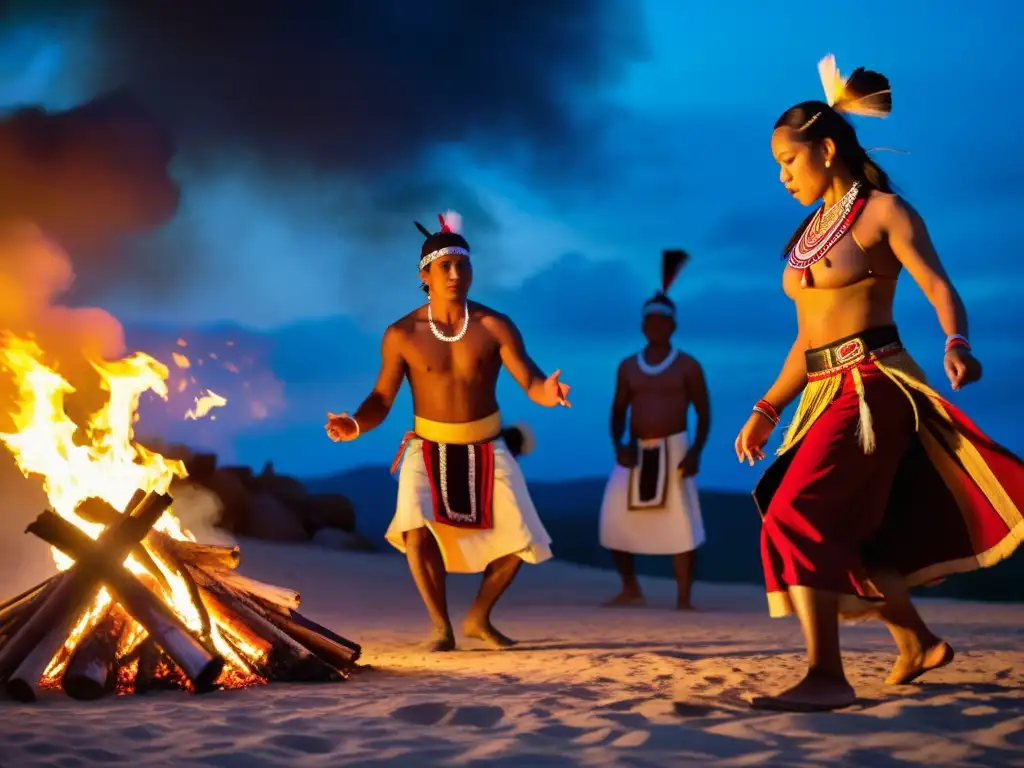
point(681, 160)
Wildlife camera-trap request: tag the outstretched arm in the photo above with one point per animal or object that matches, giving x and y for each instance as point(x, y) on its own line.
point(522, 367)
point(910, 243)
point(377, 405)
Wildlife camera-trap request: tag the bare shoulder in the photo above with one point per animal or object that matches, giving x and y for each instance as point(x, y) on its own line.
point(401, 331)
point(498, 323)
point(891, 208)
point(689, 363)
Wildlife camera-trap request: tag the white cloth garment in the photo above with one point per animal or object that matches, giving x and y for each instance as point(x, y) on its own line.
point(517, 527)
point(669, 521)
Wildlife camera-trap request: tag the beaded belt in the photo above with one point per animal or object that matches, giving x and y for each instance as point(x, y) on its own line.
point(845, 353)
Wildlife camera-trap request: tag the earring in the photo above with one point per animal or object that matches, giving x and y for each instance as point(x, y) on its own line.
point(828, 163)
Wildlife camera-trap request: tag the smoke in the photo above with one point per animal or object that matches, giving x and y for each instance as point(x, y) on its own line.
point(84, 179)
point(350, 110)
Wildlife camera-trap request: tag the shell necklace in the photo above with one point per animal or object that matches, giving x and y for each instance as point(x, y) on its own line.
point(823, 231)
point(654, 370)
point(437, 331)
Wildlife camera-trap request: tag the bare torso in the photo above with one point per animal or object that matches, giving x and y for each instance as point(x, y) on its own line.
point(852, 288)
point(452, 382)
point(658, 404)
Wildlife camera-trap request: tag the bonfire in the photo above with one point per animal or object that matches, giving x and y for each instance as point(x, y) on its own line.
point(137, 604)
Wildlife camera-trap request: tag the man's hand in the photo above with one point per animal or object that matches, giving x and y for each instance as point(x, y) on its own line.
point(625, 456)
point(341, 428)
point(555, 392)
point(690, 465)
point(962, 367)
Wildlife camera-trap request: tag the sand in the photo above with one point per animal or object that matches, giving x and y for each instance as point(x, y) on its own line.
point(587, 686)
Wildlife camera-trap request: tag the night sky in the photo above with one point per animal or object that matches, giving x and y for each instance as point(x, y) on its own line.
point(577, 139)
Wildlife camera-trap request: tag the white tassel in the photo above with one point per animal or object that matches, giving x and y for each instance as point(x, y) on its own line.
point(453, 220)
point(865, 424)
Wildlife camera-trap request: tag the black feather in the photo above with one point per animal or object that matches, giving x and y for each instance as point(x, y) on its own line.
point(424, 230)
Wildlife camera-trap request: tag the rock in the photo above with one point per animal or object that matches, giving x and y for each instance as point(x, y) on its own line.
point(329, 510)
point(267, 518)
point(244, 475)
point(335, 538)
point(285, 489)
point(234, 498)
point(201, 465)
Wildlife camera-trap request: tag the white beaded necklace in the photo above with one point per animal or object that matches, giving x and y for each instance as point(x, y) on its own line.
point(437, 332)
point(654, 370)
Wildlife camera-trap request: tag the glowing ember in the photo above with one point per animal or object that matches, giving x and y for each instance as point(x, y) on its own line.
point(204, 404)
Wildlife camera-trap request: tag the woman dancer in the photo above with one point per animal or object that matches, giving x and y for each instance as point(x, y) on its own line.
point(880, 484)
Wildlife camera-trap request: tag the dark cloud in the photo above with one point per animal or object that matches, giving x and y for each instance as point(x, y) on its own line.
point(362, 87)
point(322, 96)
point(91, 175)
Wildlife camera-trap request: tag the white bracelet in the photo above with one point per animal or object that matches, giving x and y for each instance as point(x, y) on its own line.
point(353, 420)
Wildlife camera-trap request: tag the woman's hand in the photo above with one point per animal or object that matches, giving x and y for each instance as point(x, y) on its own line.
point(962, 367)
point(751, 440)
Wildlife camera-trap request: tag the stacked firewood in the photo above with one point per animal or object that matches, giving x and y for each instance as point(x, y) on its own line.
point(101, 627)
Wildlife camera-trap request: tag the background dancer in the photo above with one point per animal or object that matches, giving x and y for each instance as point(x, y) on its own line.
point(650, 504)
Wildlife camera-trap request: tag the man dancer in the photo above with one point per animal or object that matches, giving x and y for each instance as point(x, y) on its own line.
point(463, 505)
point(650, 504)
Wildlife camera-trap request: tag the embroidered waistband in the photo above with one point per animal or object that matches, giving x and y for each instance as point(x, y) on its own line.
point(845, 353)
point(461, 433)
point(458, 433)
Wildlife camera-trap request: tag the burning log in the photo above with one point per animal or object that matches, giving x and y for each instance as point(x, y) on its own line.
point(92, 669)
point(56, 633)
point(26, 680)
point(78, 582)
point(288, 659)
point(200, 663)
point(334, 649)
point(278, 598)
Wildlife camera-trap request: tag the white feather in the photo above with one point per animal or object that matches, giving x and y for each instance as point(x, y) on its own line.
point(831, 80)
point(453, 221)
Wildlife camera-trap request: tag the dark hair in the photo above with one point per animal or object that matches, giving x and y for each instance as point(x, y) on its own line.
point(816, 121)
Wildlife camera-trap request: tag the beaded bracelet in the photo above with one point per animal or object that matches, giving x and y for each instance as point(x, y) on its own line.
point(767, 410)
point(955, 340)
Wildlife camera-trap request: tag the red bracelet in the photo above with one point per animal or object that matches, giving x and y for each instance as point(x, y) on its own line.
point(955, 341)
point(767, 410)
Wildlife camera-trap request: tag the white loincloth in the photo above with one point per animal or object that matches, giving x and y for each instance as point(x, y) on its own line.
point(517, 527)
point(670, 523)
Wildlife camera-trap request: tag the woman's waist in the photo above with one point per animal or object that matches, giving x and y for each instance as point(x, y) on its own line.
point(851, 350)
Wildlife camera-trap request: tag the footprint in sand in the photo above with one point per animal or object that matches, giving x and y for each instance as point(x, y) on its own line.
point(307, 745)
point(431, 713)
point(422, 714)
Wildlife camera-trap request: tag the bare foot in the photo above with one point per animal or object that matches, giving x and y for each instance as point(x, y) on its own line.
point(443, 640)
point(684, 605)
point(485, 631)
point(817, 692)
point(909, 668)
point(626, 598)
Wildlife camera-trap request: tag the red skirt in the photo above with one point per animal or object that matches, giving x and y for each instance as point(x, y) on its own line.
point(935, 496)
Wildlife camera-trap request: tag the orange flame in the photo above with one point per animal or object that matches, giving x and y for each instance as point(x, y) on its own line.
point(100, 460)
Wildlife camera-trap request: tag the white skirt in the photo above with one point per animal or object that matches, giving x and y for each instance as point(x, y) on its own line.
point(517, 528)
point(650, 510)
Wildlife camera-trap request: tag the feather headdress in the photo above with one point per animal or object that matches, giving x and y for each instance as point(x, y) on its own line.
point(864, 92)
